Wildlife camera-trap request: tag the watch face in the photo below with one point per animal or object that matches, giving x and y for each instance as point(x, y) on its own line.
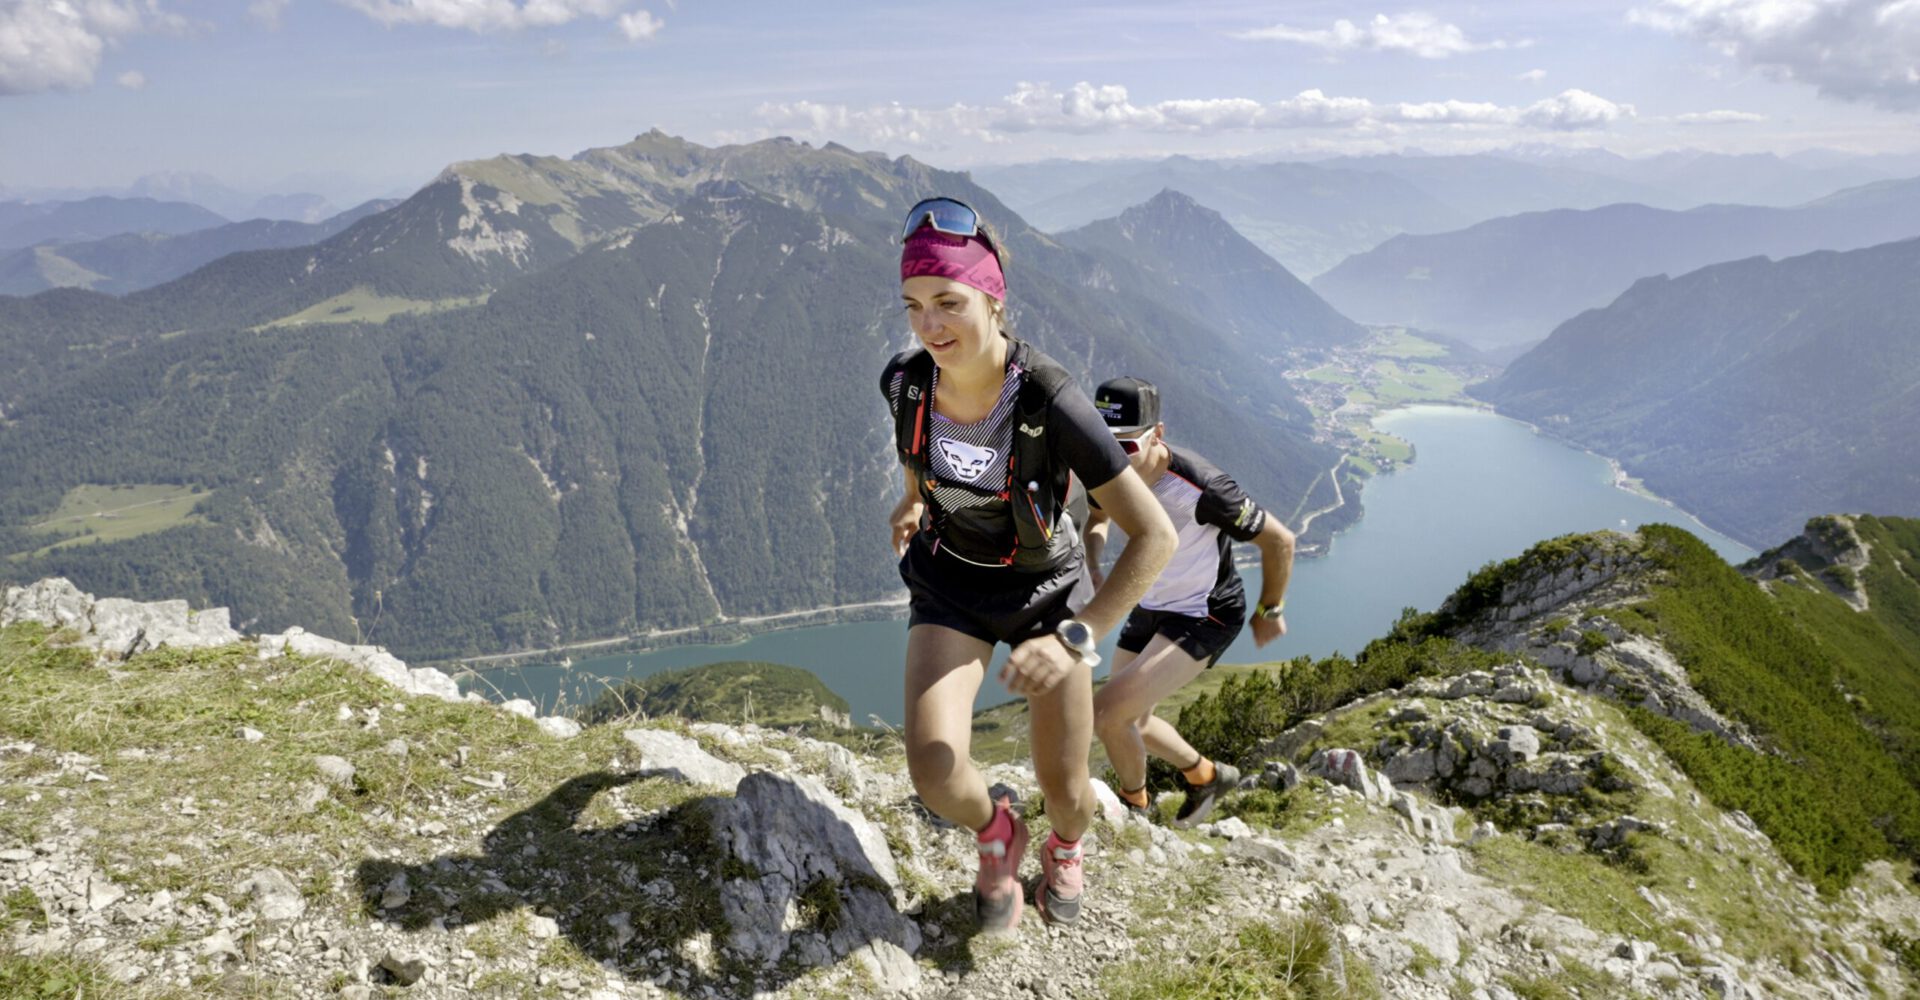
point(1076, 633)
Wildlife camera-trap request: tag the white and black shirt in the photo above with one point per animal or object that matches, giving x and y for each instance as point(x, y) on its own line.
point(968, 462)
point(1209, 511)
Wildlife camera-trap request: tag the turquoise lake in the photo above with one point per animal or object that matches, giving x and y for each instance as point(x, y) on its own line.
point(1482, 487)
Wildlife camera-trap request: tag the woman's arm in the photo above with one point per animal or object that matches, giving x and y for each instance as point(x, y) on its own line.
point(1098, 526)
point(907, 513)
point(1037, 665)
point(1150, 543)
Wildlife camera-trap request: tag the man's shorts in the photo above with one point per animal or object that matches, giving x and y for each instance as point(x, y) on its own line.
point(990, 603)
point(1204, 638)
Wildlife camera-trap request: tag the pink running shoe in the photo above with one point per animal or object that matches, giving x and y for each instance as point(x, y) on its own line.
point(997, 892)
point(1061, 882)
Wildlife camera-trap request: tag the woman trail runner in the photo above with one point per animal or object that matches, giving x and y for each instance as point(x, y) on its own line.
point(992, 434)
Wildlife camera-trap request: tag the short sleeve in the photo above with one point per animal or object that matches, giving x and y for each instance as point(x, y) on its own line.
point(1079, 438)
point(1224, 505)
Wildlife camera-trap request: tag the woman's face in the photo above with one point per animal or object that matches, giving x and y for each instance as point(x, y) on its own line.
point(953, 321)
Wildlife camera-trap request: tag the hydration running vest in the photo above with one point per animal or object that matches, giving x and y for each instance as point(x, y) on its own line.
point(1036, 491)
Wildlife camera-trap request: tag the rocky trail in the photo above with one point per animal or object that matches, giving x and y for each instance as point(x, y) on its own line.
point(188, 812)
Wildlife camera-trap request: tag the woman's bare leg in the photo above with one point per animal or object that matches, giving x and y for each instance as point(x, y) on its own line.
point(944, 672)
point(1062, 734)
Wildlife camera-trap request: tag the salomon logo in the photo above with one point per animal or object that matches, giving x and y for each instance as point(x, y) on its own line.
point(1033, 431)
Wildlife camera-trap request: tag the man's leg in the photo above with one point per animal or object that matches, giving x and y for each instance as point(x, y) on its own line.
point(1123, 711)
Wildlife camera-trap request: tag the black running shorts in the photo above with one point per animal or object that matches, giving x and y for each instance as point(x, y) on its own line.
point(1205, 639)
point(990, 603)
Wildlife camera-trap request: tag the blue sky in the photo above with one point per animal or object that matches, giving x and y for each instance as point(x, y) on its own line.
point(371, 96)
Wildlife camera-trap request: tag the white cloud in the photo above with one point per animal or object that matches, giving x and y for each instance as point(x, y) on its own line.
point(132, 79)
point(1086, 108)
point(1719, 118)
point(57, 44)
point(1413, 32)
point(1574, 109)
point(487, 15)
point(640, 25)
point(268, 12)
point(1533, 75)
point(1855, 50)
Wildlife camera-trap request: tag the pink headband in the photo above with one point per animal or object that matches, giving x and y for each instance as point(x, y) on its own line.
point(966, 259)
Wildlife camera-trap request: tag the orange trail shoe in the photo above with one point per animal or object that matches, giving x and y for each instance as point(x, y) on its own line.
point(1061, 882)
point(996, 891)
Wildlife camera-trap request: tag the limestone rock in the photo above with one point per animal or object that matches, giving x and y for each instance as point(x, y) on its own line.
point(406, 967)
point(335, 770)
point(54, 602)
point(273, 895)
point(1263, 850)
point(126, 628)
point(396, 893)
point(424, 681)
point(682, 758)
point(1111, 808)
point(811, 854)
point(558, 727)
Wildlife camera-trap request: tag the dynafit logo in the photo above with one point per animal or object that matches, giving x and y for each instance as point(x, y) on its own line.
point(966, 461)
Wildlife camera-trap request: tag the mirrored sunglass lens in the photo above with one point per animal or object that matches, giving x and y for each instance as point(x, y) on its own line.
point(947, 216)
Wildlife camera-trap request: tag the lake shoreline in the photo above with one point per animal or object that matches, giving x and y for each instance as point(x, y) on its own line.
point(728, 633)
point(739, 631)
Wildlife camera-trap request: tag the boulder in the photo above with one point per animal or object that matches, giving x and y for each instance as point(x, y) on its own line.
point(681, 758)
point(127, 628)
point(813, 857)
point(54, 602)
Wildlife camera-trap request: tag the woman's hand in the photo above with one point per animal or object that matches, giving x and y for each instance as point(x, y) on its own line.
point(906, 521)
point(1038, 666)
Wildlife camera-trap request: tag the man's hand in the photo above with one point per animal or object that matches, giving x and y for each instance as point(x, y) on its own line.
point(1265, 631)
point(1037, 666)
point(906, 520)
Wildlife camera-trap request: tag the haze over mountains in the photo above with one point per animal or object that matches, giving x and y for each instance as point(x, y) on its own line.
point(1516, 278)
point(547, 399)
point(23, 224)
point(1754, 393)
point(1311, 215)
point(131, 261)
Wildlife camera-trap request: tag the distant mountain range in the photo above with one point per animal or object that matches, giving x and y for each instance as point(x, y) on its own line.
point(23, 224)
point(132, 261)
point(1220, 276)
point(1306, 216)
point(1312, 215)
point(1515, 279)
point(1753, 393)
point(550, 399)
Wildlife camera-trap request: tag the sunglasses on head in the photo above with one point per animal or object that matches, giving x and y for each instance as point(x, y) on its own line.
point(1133, 445)
point(946, 215)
